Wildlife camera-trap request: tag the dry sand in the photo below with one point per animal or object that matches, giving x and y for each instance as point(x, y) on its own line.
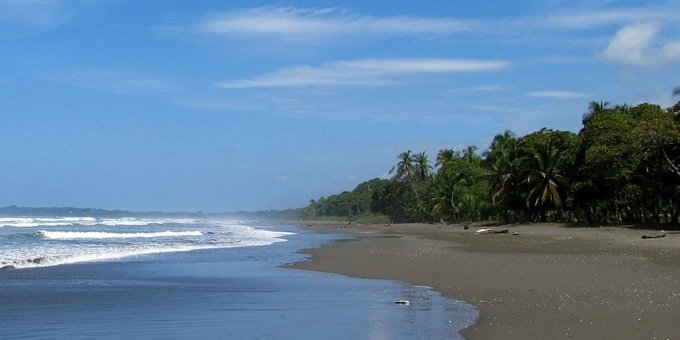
point(548, 282)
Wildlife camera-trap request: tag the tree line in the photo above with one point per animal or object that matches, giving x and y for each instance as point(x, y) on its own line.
point(623, 166)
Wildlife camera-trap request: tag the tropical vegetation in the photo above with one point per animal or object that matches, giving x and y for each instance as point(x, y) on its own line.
point(623, 166)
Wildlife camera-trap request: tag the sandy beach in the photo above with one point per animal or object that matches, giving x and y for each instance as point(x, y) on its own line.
point(546, 282)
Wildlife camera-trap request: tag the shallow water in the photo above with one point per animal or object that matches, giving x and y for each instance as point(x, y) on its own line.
point(219, 293)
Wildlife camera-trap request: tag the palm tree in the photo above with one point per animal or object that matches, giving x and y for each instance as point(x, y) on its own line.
point(501, 140)
point(676, 91)
point(623, 108)
point(469, 154)
point(407, 170)
point(446, 198)
point(504, 176)
point(443, 157)
point(404, 170)
point(421, 166)
point(544, 178)
point(595, 108)
point(504, 162)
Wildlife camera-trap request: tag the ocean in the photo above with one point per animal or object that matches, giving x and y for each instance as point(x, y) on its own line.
point(86, 277)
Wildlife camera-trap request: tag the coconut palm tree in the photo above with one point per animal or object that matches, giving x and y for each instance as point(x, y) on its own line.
point(470, 153)
point(544, 178)
point(502, 140)
point(503, 159)
point(421, 166)
point(595, 108)
point(404, 170)
point(443, 157)
point(446, 198)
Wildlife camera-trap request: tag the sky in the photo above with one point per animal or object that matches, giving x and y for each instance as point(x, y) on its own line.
point(252, 105)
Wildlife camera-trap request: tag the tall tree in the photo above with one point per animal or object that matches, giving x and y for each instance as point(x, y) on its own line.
point(443, 157)
point(544, 178)
point(503, 160)
point(421, 166)
point(470, 154)
point(595, 108)
point(404, 170)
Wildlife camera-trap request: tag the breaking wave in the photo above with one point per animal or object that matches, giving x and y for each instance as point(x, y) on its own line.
point(32, 222)
point(74, 235)
point(58, 241)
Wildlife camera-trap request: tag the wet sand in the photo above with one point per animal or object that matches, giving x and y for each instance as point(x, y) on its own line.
point(548, 282)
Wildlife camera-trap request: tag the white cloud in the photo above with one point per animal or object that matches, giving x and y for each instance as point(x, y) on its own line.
point(486, 88)
point(670, 51)
point(611, 16)
point(113, 81)
point(370, 72)
point(559, 95)
point(292, 24)
point(632, 45)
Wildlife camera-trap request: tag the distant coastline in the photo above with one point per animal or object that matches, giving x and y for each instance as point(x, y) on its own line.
point(14, 210)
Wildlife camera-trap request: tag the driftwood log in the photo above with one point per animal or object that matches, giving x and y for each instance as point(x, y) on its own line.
point(491, 231)
point(646, 236)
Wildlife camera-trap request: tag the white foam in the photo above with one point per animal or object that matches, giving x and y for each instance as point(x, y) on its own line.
point(250, 232)
point(73, 235)
point(132, 221)
point(31, 222)
point(101, 254)
point(81, 243)
point(28, 222)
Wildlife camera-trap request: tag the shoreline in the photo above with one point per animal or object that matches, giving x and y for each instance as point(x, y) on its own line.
point(549, 281)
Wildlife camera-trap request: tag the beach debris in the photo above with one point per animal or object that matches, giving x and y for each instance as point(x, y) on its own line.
point(402, 302)
point(646, 236)
point(490, 231)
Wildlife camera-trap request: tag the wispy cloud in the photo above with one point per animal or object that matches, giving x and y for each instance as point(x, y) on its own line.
point(486, 88)
point(116, 82)
point(559, 95)
point(632, 45)
point(295, 24)
point(369, 72)
point(609, 16)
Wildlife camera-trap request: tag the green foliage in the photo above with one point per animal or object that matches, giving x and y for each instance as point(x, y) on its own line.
point(623, 166)
point(621, 172)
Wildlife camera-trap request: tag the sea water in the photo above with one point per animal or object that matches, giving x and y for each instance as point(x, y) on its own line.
point(84, 277)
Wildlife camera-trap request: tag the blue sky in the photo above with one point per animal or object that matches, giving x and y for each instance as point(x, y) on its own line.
point(230, 105)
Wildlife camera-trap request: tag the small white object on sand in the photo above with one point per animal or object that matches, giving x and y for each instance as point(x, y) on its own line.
point(490, 231)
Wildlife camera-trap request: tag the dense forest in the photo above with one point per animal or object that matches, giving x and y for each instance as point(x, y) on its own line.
point(622, 167)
